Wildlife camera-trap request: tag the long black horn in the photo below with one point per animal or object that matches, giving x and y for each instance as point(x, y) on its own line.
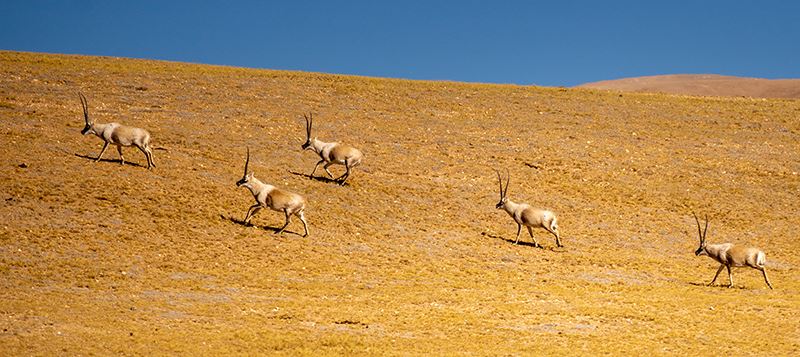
point(85, 106)
point(308, 126)
point(706, 229)
point(247, 162)
point(699, 233)
point(499, 180)
point(508, 178)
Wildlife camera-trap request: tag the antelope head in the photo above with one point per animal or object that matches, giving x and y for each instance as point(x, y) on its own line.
point(503, 191)
point(246, 177)
point(89, 127)
point(309, 122)
point(702, 249)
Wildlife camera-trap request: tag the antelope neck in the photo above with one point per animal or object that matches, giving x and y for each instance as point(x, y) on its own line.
point(98, 128)
point(510, 207)
point(318, 145)
point(255, 186)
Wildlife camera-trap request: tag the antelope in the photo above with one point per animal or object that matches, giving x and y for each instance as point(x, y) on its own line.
point(117, 134)
point(268, 196)
point(527, 216)
point(331, 153)
point(729, 255)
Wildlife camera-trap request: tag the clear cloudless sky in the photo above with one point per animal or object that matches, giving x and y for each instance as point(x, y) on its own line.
point(552, 43)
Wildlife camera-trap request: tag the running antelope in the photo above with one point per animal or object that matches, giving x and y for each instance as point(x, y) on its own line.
point(117, 134)
point(729, 255)
point(331, 153)
point(527, 216)
point(268, 196)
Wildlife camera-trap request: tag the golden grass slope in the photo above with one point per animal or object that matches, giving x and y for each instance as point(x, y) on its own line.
point(704, 85)
point(410, 257)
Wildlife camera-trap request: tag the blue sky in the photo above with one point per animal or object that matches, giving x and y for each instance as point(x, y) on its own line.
point(552, 43)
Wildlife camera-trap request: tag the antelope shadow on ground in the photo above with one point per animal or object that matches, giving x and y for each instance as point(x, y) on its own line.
point(108, 160)
point(522, 242)
point(266, 228)
point(719, 286)
point(318, 178)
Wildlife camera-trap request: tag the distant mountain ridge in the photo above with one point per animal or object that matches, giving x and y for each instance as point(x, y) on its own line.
point(704, 85)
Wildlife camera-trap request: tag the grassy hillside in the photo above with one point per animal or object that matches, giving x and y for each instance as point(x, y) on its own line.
point(411, 256)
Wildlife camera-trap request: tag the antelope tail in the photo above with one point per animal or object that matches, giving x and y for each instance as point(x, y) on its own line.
point(554, 224)
point(761, 259)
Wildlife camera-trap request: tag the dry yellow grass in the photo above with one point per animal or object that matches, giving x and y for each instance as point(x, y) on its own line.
point(410, 257)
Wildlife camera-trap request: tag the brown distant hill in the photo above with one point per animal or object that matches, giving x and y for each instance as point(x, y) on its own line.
point(704, 84)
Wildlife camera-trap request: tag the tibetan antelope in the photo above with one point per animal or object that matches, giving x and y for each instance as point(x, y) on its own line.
point(527, 216)
point(331, 153)
point(268, 196)
point(729, 255)
point(117, 134)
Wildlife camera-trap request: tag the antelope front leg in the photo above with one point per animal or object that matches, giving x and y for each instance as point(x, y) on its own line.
point(105, 146)
point(288, 218)
point(716, 275)
point(326, 169)
point(121, 158)
point(519, 229)
point(251, 212)
point(315, 168)
point(730, 277)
